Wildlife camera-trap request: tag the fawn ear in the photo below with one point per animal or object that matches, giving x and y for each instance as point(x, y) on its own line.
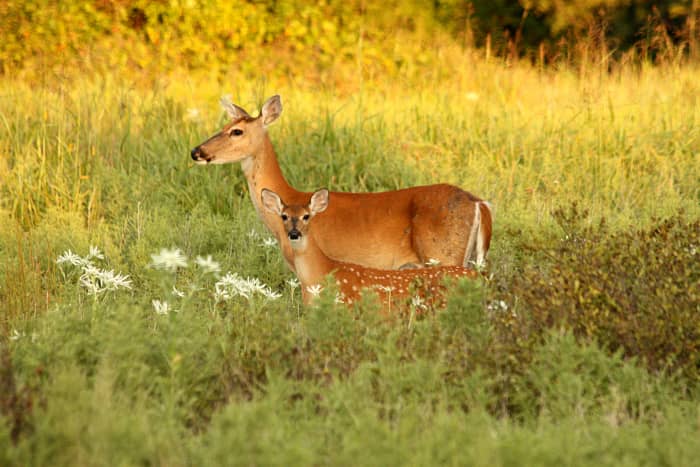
point(319, 201)
point(271, 109)
point(271, 201)
point(232, 109)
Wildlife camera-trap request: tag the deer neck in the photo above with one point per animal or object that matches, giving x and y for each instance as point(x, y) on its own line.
point(262, 170)
point(311, 264)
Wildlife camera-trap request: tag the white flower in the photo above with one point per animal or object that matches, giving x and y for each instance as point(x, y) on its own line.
point(16, 335)
point(339, 298)
point(116, 280)
point(228, 287)
point(497, 305)
point(95, 253)
point(90, 282)
point(383, 288)
point(271, 294)
point(162, 308)
point(293, 283)
point(97, 280)
point(208, 264)
point(418, 302)
point(232, 285)
point(177, 293)
point(69, 257)
point(315, 289)
point(432, 262)
point(269, 242)
point(169, 260)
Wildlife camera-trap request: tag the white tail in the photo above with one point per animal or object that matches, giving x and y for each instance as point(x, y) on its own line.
point(417, 224)
point(313, 266)
point(479, 235)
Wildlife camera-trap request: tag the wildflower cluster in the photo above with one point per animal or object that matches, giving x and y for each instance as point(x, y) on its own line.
point(226, 288)
point(233, 285)
point(94, 279)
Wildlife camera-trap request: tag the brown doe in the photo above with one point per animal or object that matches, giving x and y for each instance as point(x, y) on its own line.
point(312, 265)
point(386, 230)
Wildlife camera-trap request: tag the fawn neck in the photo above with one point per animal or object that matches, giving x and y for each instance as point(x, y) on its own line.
point(310, 263)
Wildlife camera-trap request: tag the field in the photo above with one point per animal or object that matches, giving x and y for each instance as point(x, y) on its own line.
point(581, 345)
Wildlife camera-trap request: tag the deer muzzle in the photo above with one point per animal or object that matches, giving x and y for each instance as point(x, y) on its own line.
point(294, 234)
point(199, 155)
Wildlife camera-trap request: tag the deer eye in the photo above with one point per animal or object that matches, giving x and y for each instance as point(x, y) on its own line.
point(284, 217)
point(306, 217)
point(236, 132)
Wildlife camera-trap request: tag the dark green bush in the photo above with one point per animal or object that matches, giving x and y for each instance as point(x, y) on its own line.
point(16, 400)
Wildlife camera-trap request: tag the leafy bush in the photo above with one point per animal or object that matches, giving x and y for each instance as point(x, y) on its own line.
point(632, 291)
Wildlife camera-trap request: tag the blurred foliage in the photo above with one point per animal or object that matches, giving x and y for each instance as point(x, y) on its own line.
point(16, 403)
point(556, 30)
point(284, 36)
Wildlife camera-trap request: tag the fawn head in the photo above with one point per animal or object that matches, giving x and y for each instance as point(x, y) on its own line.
point(241, 138)
point(296, 218)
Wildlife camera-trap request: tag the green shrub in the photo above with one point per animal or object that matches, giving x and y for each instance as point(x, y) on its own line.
point(632, 291)
point(567, 378)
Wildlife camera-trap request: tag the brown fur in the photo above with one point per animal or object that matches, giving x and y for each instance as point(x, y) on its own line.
point(313, 266)
point(384, 230)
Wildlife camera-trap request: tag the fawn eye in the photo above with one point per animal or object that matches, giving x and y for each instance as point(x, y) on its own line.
point(306, 217)
point(284, 217)
point(236, 132)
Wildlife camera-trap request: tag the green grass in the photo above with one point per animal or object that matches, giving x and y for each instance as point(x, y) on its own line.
point(106, 380)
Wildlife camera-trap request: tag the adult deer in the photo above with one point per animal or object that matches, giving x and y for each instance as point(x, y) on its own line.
point(312, 265)
point(387, 230)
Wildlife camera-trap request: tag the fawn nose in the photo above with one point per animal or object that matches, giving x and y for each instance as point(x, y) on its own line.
point(294, 234)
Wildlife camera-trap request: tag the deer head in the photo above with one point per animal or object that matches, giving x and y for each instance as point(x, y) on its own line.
point(296, 218)
point(243, 137)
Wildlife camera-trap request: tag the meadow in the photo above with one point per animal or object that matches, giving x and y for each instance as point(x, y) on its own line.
point(147, 318)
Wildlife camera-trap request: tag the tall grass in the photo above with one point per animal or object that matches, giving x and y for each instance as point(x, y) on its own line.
point(106, 379)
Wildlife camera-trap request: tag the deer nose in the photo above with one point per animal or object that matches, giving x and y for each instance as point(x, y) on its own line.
point(294, 234)
point(196, 153)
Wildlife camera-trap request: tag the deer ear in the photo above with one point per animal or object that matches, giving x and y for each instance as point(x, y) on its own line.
point(271, 109)
point(319, 201)
point(271, 201)
point(232, 109)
